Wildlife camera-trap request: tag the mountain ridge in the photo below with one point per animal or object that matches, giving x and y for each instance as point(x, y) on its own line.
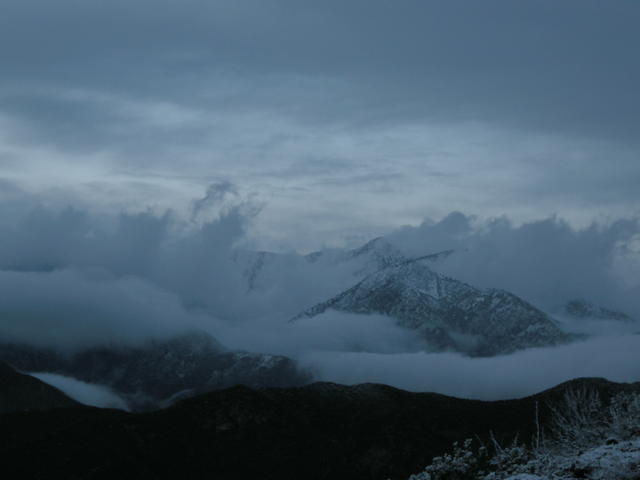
point(318, 431)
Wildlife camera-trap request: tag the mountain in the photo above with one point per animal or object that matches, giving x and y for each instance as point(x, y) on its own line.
point(319, 431)
point(23, 393)
point(160, 371)
point(583, 309)
point(448, 314)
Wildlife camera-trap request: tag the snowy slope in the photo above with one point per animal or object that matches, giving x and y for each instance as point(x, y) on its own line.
point(448, 313)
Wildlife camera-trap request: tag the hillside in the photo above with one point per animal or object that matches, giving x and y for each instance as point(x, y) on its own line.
point(314, 432)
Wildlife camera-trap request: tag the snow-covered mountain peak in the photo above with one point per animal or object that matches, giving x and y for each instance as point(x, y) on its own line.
point(448, 314)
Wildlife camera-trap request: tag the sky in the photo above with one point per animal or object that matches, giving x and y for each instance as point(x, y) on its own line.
point(337, 121)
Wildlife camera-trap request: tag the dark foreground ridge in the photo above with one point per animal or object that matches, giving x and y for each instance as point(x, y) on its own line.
point(319, 431)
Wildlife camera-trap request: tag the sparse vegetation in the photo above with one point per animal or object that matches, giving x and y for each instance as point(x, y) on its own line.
point(588, 438)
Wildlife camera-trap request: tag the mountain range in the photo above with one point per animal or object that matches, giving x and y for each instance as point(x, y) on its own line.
point(160, 372)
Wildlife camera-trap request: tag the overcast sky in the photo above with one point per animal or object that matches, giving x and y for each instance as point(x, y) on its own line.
point(342, 119)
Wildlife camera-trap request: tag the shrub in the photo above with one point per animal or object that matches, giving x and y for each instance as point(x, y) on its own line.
point(624, 413)
point(467, 463)
point(463, 463)
point(583, 421)
point(579, 421)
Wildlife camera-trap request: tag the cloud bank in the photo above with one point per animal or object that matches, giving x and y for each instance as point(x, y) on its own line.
point(495, 378)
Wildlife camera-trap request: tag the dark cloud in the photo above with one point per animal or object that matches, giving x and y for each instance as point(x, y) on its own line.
point(550, 65)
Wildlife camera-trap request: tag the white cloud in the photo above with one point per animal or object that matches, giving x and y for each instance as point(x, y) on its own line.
point(86, 393)
point(616, 358)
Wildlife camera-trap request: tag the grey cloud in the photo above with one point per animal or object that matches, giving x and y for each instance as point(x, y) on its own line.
point(546, 261)
point(82, 124)
point(193, 260)
point(68, 310)
point(216, 193)
point(333, 332)
point(445, 60)
point(495, 378)
point(87, 393)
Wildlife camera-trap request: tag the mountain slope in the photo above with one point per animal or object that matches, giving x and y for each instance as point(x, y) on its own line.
point(154, 373)
point(23, 393)
point(449, 314)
